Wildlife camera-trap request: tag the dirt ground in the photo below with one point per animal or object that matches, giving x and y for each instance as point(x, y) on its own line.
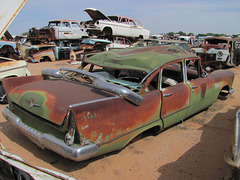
point(193, 149)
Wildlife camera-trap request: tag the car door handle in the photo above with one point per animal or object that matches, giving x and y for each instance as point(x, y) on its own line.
point(194, 87)
point(167, 95)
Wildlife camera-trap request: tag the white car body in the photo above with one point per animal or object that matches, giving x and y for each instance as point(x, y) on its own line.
point(120, 43)
point(113, 25)
point(66, 29)
point(13, 68)
point(9, 9)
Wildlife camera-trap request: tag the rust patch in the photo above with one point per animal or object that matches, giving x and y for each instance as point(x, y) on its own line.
point(115, 117)
point(178, 100)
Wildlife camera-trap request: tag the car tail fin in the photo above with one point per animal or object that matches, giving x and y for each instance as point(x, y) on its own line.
point(11, 83)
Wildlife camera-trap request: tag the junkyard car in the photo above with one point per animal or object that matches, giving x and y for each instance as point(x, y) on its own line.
point(92, 45)
point(218, 52)
point(43, 52)
point(57, 30)
point(109, 26)
point(113, 98)
point(11, 68)
point(158, 42)
point(119, 43)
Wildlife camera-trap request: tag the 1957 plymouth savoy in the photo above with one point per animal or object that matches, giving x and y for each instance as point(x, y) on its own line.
point(111, 99)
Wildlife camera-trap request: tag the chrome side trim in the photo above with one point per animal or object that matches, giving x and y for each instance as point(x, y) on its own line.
point(13, 68)
point(93, 101)
point(235, 148)
point(98, 82)
point(49, 142)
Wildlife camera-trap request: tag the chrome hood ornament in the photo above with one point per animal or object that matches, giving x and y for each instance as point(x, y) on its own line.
point(32, 104)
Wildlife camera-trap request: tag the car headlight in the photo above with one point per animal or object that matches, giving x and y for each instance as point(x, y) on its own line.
point(192, 51)
point(219, 53)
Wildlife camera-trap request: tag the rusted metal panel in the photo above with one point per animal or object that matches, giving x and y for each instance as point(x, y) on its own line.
point(41, 35)
point(49, 53)
point(11, 83)
point(102, 121)
point(175, 98)
point(47, 94)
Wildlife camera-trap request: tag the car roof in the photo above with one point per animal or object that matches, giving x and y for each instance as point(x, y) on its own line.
point(141, 59)
point(62, 20)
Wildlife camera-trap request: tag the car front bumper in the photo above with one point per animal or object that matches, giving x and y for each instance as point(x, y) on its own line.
point(50, 142)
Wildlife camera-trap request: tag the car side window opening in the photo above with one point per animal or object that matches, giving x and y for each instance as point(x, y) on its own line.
point(171, 75)
point(194, 70)
point(65, 24)
point(124, 20)
point(75, 25)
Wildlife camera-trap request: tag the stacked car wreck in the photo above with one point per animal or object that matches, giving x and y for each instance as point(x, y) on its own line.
point(218, 52)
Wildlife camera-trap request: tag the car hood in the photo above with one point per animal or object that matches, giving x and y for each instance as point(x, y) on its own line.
point(50, 99)
point(9, 10)
point(96, 14)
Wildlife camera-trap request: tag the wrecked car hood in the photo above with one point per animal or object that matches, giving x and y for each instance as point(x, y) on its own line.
point(96, 14)
point(50, 100)
point(9, 10)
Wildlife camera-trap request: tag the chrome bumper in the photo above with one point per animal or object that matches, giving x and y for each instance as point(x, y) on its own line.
point(50, 142)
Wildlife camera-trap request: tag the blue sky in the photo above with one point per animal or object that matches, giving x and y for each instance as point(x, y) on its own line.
point(159, 16)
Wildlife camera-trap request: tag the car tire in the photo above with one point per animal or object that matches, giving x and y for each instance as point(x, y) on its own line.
point(3, 95)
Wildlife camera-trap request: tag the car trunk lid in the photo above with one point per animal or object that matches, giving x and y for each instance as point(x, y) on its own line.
point(50, 99)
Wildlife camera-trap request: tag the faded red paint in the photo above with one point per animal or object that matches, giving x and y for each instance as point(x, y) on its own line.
point(58, 99)
point(179, 99)
point(11, 83)
point(49, 53)
point(114, 117)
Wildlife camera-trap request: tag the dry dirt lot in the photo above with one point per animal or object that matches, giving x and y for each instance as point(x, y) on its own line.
point(193, 149)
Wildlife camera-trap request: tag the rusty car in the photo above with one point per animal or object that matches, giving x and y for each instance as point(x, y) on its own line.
point(57, 30)
point(43, 52)
point(108, 26)
point(218, 52)
point(112, 99)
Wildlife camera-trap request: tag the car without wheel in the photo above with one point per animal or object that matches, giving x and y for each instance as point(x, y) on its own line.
point(218, 52)
point(112, 99)
point(109, 26)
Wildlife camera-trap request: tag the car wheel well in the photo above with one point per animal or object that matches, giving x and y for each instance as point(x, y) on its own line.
point(45, 58)
point(107, 31)
point(140, 37)
point(8, 48)
point(224, 92)
point(154, 130)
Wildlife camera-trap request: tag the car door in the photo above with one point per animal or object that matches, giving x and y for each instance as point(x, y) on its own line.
point(175, 94)
point(65, 31)
point(77, 32)
point(201, 87)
